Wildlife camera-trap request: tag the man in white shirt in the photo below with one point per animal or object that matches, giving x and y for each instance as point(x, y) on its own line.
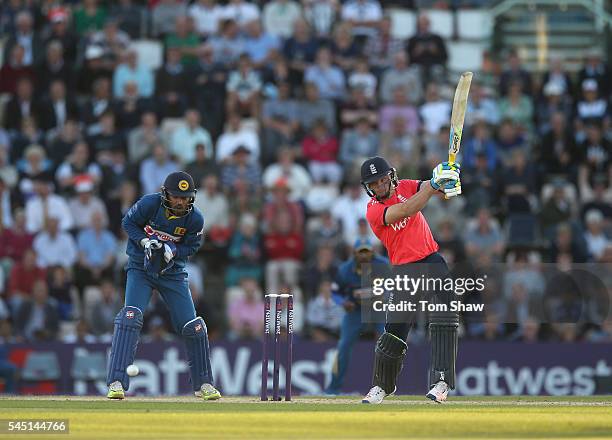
point(279, 15)
point(44, 204)
point(297, 177)
point(236, 136)
point(349, 208)
point(206, 15)
point(213, 202)
point(241, 12)
point(185, 138)
point(364, 15)
point(54, 247)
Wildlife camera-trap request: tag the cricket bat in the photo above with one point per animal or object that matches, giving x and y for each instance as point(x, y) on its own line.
point(458, 115)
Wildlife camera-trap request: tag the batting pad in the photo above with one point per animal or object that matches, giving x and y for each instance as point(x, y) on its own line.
point(443, 331)
point(195, 336)
point(388, 361)
point(128, 324)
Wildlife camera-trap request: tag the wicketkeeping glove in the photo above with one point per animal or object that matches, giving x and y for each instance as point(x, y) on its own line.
point(150, 245)
point(169, 251)
point(445, 173)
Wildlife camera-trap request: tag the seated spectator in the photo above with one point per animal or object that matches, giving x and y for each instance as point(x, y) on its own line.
point(515, 73)
point(228, 45)
point(244, 252)
point(7, 201)
point(61, 289)
point(16, 240)
point(54, 247)
point(358, 144)
point(8, 172)
point(87, 204)
point(598, 244)
point(119, 205)
point(61, 145)
point(284, 246)
point(517, 107)
point(154, 170)
point(595, 152)
point(172, 81)
point(261, 47)
point(34, 165)
point(601, 334)
point(296, 176)
point(96, 246)
point(237, 135)
point(553, 101)
point(396, 140)
point(364, 15)
point(202, 166)
point(245, 311)
point(185, 39)
point(480, 142)
point(241, 167)
point(206, 16)
point(89, 18)
point(141, 139)
point(329, 79)
point(401, 74)
point(95, 66)
point(567, 248)
point(15, 70)
point(211, 200)
point(594, 67)
point(320, 149)
point(349, 208)
point(427, 49)
point(77, 167)
point(101, 315)
point(399, 107)
point(164, 15)
point(314, 107)
point(435, 112)
point(280, 203)
point(321, 267)
point(518, 183)
point(595, 194)
point(24, 273)
point(106, 139)
point(509, 137)
point(98, 103)
point(279, 17)
point(62, 32)
point(37, 319)
point(130, 107)
point(592, 106)
point(382, 47)
point(344, 48)
point(186, 137)
point(557, 148)
point(112, 40)
point(323, 315)
point(484, 236)
point(280, 120)
point(243, 89)
point(300, 50)
point(321, 15)
point(133, 70)
point(56, 108)
point(556, 209)
point(480, 107)
point(356, 107)
point(241, 11)
point(80, 335)
point(129, 17)
point(45, 203)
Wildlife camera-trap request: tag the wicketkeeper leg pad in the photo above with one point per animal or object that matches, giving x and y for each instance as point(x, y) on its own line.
point(195, 336)
point(388, 361)
point(443, 331)
point(128, 324)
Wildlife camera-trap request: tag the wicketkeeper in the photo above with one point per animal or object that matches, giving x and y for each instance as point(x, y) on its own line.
point(394, 214)
point(164, 230)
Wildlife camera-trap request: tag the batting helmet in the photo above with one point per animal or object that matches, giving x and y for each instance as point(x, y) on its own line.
point(178, 184)
point(373, 169)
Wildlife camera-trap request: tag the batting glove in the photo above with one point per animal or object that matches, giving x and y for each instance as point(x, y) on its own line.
point(150, 245)
point(169, 251)
point(443, 174)
point(452, 189)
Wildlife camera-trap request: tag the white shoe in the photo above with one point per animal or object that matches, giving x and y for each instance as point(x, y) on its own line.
point(115, 391)
point(208, 392)
point(375, 395)
point(439, 392)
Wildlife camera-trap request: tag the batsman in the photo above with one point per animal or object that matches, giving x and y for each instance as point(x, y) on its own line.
point(164, 230)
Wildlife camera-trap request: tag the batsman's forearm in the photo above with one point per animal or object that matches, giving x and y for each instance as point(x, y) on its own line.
point(413, 205)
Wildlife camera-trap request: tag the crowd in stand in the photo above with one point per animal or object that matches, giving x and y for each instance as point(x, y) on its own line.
point(271, 106)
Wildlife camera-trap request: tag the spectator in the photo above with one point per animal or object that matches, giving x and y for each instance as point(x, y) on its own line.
point(129, 17)
point(328, 78)
point(26, 37)
point(37, 318)
point(435, 112)
point(164, 15)
point(381, 48)
point(118, 206)
point(365, 16)
point(54, 247)
point(202, 166)
point(244, 312)
point(241, 11)
point(102, 312)
point(399, 107)
point(300, 50)
point(294, 174)
point(557, 208)
point(211, 200)
point(21, 105)
point(87, 205)
point(98, 104)
point(206, 15)
point(241, 168)
point(280, 120)
point(95, 66)
point(481, 142)
point(228, 45)
point(237, 135)
point(77, 166)
point(154, 170)
point(509, 137)
point(356, 107)
point(481, 107)
point(554, 101)
point(96, 247)
point(8, 173)
point(16, 240)
point(595, 68)
point(517, 107)
point(54, 68)
point(80, 335)
point(397, 141)
point(322, 267)
point(344, 47)
point(57, 108)
point(24, 273)
point(349, 208)
point(566, 247)
point(262, 47)
point(186, 137)
point(362, 78)
point(427, 49)
point(284, 246)
point(557, 77)
point(35, 165)
point(483, 236)
point(111, 40)
point(596, 151)
point(518, 183)
point(321, 15)
point(279, 17)
point(172, 81)
point(358, 144)
point(280, 203)
point(89, 18)
point(314, 108)
point(61, 290)
point(130, 107)
point(244, 252)
point(592, 107)
point(323, 315)
point(597, 242)
point(132, 69)
point(320, 149)
point(243, 89)
point(45, 203)
point(141, 139)
point(185, 39)
point(515, 73)
point(60, 31)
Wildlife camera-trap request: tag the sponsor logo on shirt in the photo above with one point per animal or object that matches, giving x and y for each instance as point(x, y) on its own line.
point(163, 236)
point(400, 224)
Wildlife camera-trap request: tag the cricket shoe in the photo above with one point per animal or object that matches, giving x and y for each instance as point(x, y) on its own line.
point(208, 392)
point(115, 391)
point(375, 395)
point(439, 392)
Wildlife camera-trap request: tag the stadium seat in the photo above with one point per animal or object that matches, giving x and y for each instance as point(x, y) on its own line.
point(41, 365)
point(474, 24)
point(403, 23)
point(150, 53)
point(88, 366)
point(464, 56)
point(522, 229)
point(442, 22)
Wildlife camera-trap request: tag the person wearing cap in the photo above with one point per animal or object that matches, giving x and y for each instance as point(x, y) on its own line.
point(347, 292)
point(592, 106)
point(164, 230)
point(394, 214)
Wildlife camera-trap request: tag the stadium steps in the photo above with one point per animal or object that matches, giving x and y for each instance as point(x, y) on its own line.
point(570, 31)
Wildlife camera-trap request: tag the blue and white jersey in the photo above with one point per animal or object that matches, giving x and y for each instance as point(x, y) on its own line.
point(148, 218)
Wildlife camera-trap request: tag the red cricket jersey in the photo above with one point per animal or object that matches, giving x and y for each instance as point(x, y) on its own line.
point(407, 240)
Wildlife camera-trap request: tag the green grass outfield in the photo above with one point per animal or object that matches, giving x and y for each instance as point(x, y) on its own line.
point(319, 418)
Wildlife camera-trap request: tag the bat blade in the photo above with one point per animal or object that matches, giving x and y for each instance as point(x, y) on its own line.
point(458, 115)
